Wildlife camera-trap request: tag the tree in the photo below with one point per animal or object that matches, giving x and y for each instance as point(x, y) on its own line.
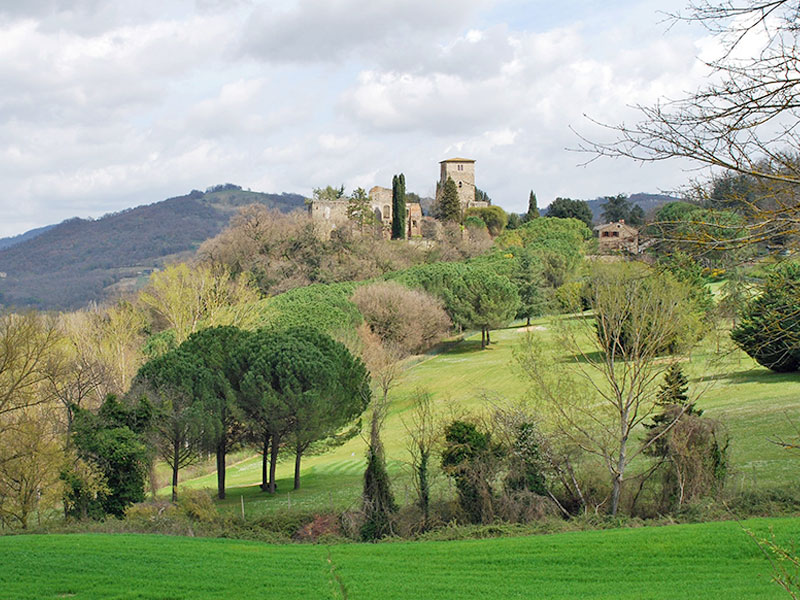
point(328, 193)
point(399, 207)
point(448, 207)
point(305, 385)
point(189, 298)
point(598, 399)
point(114, 440)
point(359, 209)
point(743, 120)
point(481, 196)
point(769, 325)
point(177, 386)
point(636, 217)
point(377, 499)
point(616, 208)
point(533, 208)
point(470, 457)
point(528, 277)
point(566, 208)
point(410, 321)
point(27, 341)
point(487, 301)
point(423, 435)
point(494, 217)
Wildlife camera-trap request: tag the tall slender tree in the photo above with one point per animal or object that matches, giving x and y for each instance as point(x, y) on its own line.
point(533, 209)
point(449, 206)
point(399, 207)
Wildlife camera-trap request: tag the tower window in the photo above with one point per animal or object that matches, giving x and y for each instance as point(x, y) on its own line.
point(460, 167)
point(459, 184)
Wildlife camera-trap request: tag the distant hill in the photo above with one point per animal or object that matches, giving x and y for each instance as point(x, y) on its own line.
point(28, 235)
point(83, 260)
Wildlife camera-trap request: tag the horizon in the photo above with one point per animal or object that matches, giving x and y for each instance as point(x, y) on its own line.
point(108, 106)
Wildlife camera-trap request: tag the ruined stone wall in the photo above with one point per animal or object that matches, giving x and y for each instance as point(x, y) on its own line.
point(328, 215)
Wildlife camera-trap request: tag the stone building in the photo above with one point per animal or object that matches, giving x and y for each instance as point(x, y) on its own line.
point(330, 214)
point(462, 172)
point(617, 236)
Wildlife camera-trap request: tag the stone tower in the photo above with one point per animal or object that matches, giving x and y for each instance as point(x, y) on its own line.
point(462, 172)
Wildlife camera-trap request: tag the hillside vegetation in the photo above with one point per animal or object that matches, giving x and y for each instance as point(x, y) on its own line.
point(77, 261)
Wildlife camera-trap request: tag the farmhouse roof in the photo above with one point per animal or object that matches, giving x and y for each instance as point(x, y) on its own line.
point(618, 226)
point(470, 160)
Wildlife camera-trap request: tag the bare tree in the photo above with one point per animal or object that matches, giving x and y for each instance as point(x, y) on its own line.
point(423, 432)
point(744, 120)
point(607, 389)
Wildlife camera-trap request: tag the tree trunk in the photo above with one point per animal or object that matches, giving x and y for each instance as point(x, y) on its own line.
point(621, 458)
point(529, 321)
point(273, 462)
point(264, 461)
point(483, 338)
point(488, 339)
point(297, 456)
point(221, 470)
point(175, 457)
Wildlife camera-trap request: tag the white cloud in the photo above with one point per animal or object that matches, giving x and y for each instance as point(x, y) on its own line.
point(108, 105)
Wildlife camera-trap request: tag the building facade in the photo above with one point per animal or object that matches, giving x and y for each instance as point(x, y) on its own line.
point(617, 236)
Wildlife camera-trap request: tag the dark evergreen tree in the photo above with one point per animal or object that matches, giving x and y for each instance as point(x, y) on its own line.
point(114, 440)
point(616, 208)
point(636, 217)
point(399, 207)
point(449, 205)
point(378, 500)
point(566, 208)
point(533, 209)
point(674, 387)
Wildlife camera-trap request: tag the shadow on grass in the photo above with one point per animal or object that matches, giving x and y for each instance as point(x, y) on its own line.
point(752, 376)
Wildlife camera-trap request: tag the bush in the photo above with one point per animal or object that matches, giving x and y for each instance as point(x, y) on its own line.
point(769, 330)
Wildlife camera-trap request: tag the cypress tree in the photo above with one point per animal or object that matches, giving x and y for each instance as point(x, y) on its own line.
point(533, 209)
point(449, 204)
point(673, 389)
point(399, 207)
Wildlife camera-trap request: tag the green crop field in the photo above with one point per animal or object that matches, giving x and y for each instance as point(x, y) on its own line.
point(755, 404)
point(711, 560)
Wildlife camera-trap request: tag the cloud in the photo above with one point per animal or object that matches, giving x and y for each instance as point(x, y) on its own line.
point(334, 30)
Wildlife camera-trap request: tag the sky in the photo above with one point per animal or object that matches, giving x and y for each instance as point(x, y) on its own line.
point(106, 105)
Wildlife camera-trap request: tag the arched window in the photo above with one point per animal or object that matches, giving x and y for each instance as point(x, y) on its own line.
point(387, 212)
point(459, 184)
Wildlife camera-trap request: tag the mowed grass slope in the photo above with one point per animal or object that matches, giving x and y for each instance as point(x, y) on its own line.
point(711, 560)
point(754, 403)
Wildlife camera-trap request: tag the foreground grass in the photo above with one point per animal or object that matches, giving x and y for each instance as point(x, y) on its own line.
point(754, 404)
point(711, 560)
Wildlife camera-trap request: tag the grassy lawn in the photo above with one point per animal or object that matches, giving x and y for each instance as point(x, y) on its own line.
point(751, 401)
point(711, 560)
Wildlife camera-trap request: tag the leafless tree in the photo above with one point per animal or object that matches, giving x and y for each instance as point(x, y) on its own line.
point(744, 120)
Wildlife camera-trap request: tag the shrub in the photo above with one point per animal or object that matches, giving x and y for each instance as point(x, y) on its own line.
point(769, 330)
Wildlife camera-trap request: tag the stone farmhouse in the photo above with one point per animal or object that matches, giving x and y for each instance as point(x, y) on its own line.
point(617, 236)
point(330, 214)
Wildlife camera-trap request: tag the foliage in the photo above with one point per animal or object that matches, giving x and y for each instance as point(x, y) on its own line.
point(410, 321)
point(616, 208)
point(533, 209)
point(359, 209)
point(566, 208)
point(448, 207)
point(188, 298)
point(769, 326)
point(324, 307)
point(495, 217)
point(399, 207)
point(474, 222)
point(114, 441)
point(377, 499)
point(469, 456)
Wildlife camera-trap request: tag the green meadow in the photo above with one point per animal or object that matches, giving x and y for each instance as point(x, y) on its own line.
point(755, 404)
point(710, 560)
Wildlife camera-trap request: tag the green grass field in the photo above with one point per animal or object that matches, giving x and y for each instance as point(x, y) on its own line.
point(711, 560)
point(754, 403)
